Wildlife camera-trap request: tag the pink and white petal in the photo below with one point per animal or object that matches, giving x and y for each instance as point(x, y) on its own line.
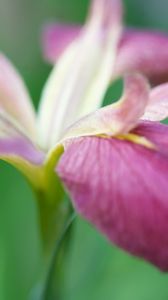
point(121, 188)
point(107, 12)
point(81, 77)
point(14, 143)
point(14, 99)
point(143, 51)
point(117, 118)
point(20, 147)
point(56, 38)
point(20, 151)
point(157, 109)
point(154, 132)
point(24, 156)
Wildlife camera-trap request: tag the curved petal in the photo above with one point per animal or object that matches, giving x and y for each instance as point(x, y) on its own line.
point(18, 150)
point(14, 99)
point(24, 156)
point(143, 51)
point(121, 188)
point(20, 147)
point(157, 109)
point(56, 38)
point(79, 81)
point(154, 132)
point(117, 118)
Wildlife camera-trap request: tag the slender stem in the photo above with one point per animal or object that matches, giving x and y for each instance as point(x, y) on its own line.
point(53, 262)
point(53, 210)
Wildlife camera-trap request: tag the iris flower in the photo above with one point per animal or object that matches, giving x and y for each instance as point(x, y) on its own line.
point(76, 87)
point(133, 49)
point(115, 167)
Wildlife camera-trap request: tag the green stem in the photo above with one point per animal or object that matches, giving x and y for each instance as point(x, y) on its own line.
point(54, 263)
point(53, 209)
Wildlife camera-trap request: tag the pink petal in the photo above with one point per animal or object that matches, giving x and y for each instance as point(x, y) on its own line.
point(156, 133)
point(56, 37)
point(140, 51)
point(14, 99)
point(146, 52)
point(157, 109)
point(121, 188)
point(117, 118)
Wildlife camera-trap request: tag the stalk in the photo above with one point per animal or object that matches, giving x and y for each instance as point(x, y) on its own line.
point(51, 288)
point(55, 218)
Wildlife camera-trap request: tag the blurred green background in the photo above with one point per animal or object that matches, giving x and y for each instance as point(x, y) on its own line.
point(95, 269)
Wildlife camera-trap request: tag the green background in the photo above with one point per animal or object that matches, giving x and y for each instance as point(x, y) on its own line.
point(95, 269)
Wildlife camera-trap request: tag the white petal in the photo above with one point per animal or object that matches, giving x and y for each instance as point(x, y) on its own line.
point(79, 81)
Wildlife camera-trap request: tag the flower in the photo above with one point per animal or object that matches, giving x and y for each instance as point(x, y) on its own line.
point(75, 87)
point(136, 50)
point(25, 145)
point(33, 142)
point(115, 167)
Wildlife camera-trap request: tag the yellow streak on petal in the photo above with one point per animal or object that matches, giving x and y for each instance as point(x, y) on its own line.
point(137, 140)
point(134, 138)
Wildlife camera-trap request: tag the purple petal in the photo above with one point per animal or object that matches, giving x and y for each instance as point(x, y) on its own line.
point(16, 148)
point(24, 156)
point(121, 188)
point(146, 52)
point(56, 37)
